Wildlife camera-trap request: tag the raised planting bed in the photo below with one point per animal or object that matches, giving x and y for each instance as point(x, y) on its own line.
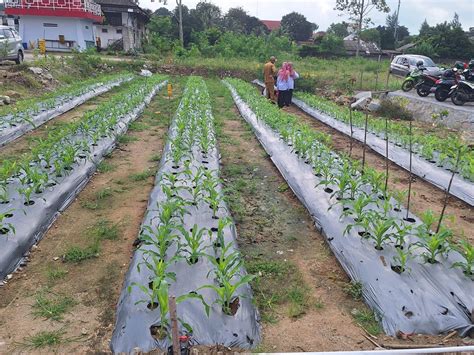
point(26, 115)
point(187, 248)
point(433, 157)
point(35, 189)
point(416, 280)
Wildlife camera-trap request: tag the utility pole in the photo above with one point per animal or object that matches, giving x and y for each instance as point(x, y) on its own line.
point(180, 14)
point(396, 23)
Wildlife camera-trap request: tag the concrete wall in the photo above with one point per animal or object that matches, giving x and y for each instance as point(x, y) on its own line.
point(109, 37)
point(78, 30)
point(422, 108)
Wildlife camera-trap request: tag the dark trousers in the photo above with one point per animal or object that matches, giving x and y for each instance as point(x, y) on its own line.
point(284, 98)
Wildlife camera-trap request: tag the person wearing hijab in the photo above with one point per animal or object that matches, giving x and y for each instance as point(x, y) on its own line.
point(286, 84)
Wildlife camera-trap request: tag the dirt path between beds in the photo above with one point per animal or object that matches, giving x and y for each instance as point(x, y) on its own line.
point(100, 227)
point(301, 291)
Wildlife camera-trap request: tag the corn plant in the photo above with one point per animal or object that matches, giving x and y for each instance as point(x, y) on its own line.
point(222, 224)
point(467, 252)
point(195, 243)
point(6, 227)
point(434, 244)
point(160, 237)
point(400, 260)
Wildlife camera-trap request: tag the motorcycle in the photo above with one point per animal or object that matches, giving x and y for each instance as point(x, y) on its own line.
point(464, 92)
point(423, 88)
point(443, 87)
point(413, 79)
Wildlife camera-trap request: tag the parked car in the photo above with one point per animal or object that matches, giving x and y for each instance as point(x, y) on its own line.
point(10, 45)
point(403, 65)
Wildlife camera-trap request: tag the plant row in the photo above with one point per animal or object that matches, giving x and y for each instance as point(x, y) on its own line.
point(190, 190)
point(442, 151)
point(25, 180)
point(367, 205)
point(24, 111)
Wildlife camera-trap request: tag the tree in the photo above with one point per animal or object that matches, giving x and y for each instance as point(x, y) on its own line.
point(370, 35)
point(180, 18)
point(238, 21)
point(425, 29)
point(358, 11)
point(209, 14)
point(339, 29)
point(387, 33)
point(297, 27)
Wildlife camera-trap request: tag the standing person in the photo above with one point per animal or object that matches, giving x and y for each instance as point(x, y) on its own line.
point(269, 72)
point(283, 84)
point(291, 83)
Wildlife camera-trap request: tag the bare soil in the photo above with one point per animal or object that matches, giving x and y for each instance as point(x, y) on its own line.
point(116, 195)
point(275, 229)
point(459, 215)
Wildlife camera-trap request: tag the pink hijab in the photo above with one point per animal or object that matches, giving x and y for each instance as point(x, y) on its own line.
point(286, 71)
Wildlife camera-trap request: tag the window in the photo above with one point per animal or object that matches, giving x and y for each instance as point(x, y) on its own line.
point(50, 24)
point(119, 31)
point(9, 34)
point(104, 30)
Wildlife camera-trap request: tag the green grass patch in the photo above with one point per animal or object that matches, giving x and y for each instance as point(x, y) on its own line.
point(51, 306)
point(354, 289)
point(105, 167)
point(268, 290)
point(142, 176)
point(125, 139)
point(55, 273)
point(367, 320)
point(105, 230)
point(44, 339)
point(76, 254)
point(103, 193)
point(155, 158)
point(137, 126)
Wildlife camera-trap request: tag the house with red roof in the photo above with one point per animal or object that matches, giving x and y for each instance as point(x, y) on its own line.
point(272, 25)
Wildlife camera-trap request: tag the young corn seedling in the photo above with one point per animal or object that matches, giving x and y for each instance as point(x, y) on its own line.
point(222, 224)
point(227, 291)
point(160, 237)
point(433, 244)
point(6, 227)
point(26, 192)
point(158, 296)
point(399, 264)
point(467, 252)
point(195, 243)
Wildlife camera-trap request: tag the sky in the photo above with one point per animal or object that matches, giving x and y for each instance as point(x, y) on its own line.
point(321, 12)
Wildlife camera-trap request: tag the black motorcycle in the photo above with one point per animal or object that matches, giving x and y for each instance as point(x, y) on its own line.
point(443, 86)
point(464, 92)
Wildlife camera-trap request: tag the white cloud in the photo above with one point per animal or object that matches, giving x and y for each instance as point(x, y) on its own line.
point(412, 12)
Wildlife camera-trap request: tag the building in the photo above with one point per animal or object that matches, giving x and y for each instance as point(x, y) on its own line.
point(272, 25)
point(124, 24)
point(63, 24)
point(365, 48)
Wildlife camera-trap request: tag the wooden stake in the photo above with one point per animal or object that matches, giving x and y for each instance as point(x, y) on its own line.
point(386, 155)
point(388, 73)
point(409, 178)
point(352, 131)
point(174, 325)
point(361, 75)
point(365, 141)
point(446, 196)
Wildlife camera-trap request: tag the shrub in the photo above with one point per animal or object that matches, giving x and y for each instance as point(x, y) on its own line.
point(394, 110)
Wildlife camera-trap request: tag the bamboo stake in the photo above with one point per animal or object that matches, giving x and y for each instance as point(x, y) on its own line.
point(174, 325)
point(446, 196)
point(352, 131)
point(365, 141)
point(361, 75)
point(388, 73)
point(376, 80)
point(410, 177)
point(386, 155)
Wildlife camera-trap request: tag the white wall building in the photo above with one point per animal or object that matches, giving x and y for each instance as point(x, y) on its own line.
point(63, 24)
